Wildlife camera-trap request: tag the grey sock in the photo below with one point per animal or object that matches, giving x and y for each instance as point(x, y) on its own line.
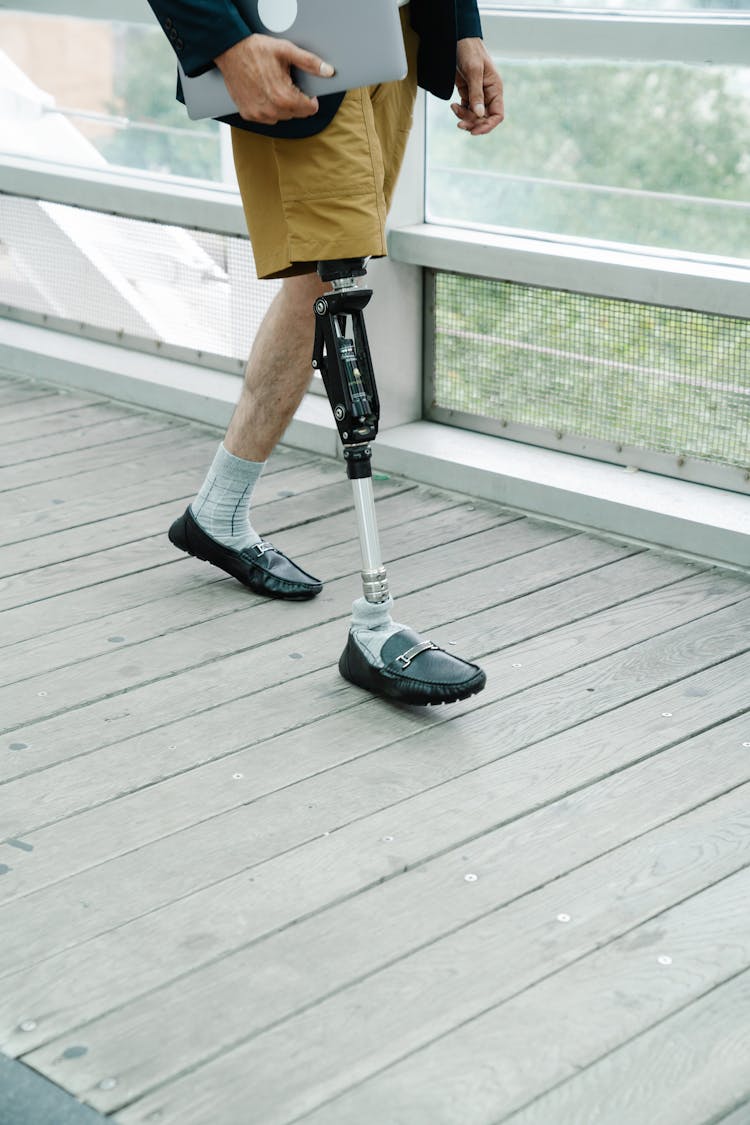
point(372, 626)
point(222, 507)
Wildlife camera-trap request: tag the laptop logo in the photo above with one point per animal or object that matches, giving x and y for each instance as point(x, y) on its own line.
point(277, 15)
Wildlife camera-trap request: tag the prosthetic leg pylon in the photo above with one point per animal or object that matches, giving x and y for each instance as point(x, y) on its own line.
point(343, 359)
point(387, 659)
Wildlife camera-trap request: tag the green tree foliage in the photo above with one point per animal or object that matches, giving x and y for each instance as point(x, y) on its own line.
point(145, 84)
point(674, 129)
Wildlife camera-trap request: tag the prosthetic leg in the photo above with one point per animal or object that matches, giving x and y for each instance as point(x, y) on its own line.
point(381, 656)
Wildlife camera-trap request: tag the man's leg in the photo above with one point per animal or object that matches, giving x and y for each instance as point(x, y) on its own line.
point(278, 371)
point(216, 527)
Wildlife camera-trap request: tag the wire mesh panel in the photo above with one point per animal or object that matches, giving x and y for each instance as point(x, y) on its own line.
point(613, 372)
point(133, 281)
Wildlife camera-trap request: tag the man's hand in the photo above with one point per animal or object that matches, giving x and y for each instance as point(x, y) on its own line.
point(256, 74)
point(480, 87)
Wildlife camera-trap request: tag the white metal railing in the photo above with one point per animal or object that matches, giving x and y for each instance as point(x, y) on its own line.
point(681, 281)
point(131, 194)
point(672, 36)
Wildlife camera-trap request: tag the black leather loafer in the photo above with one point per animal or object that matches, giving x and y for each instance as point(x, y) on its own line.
point(415, 671)
point(261, 567)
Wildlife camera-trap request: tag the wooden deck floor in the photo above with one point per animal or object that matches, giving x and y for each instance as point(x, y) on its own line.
point(238, 891)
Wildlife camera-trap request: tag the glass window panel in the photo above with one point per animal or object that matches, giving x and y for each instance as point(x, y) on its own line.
point(92, 92)
point(653, 155)
point(712, 7)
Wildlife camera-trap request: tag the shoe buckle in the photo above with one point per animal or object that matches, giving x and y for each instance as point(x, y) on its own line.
point(262, 547)
point(406, 658)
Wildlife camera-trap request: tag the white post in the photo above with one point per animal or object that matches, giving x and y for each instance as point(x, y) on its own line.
point(394, 315)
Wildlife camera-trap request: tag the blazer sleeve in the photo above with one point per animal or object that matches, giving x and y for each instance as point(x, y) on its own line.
point(199, 30)
point(468, 24)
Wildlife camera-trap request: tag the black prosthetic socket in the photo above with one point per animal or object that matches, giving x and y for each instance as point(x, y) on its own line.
point(342, 355)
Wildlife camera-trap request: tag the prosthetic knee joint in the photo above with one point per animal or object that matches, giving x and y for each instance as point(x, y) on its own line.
point(342, 356)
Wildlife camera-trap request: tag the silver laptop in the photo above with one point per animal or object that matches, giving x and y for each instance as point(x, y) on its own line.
point(362, 39)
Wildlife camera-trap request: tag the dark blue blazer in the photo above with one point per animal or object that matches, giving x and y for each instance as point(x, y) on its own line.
point(199, 30)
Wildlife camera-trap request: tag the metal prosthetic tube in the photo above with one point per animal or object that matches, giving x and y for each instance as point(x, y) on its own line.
point(342, 355)
point(374, 577)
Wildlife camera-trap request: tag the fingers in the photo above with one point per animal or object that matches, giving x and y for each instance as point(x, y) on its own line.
point(285, 99)
point(480, 88)
point(282, 109)
point(307, 61)
point(256, 72)
point(471, 122)
point(280, 103)
point(281, 100)
point(474, 89)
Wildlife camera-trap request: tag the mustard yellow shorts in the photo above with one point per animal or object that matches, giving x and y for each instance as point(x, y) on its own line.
point(316, 198)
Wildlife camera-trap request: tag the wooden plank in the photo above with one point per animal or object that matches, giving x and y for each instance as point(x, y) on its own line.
point(157, 550)
point(738, 1116)
point(71, 544)
point(35, 431)
point(549, 1033)
point(19, 392)
point(67, 609)
point(34, 587)
point(377, 783)
point(402, 542)
point(61, 545)
point(10, 385)
point(76, 984)
point(83, 512)
point(341, 1027)
point(143, 438)
point(573, 599)
point(26, 622)
point(362, 793)
point(254, 671)
point(131, 495)
point(79, 439)
point(52, 402)
point(78, 642)
point(191, 456)
point(681, 1072)
point(310, 540)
